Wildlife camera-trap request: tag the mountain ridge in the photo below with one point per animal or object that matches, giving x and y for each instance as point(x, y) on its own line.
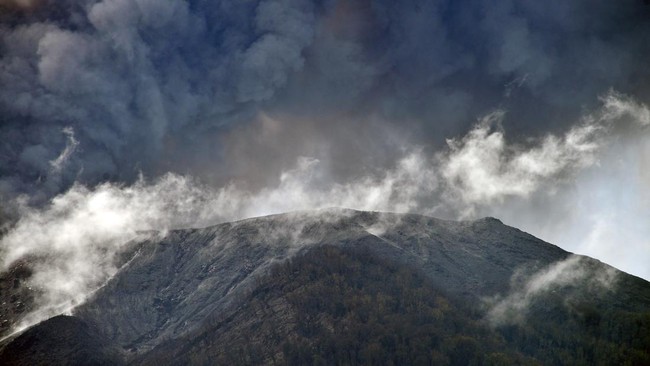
point(172, 287)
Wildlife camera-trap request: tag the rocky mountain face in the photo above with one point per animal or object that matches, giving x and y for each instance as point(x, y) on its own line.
point(349, 287)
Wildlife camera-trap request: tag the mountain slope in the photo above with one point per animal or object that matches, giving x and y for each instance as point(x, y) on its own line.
point(62, 340)
point(297, 287)
point(339, 305)
point(171, 285)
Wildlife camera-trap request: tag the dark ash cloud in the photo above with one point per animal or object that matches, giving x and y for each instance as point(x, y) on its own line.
point(150, 85)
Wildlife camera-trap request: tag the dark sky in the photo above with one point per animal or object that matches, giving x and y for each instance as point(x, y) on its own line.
point(157, 86)
point(532, 111)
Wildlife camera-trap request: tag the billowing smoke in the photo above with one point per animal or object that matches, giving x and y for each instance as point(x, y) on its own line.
point(122, 116)
point(154, 86)
point(135, 80)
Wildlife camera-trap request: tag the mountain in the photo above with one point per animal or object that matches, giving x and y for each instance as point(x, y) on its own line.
point(348, 287)
point(62, 340)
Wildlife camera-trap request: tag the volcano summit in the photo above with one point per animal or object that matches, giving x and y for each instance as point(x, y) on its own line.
point(341, 286)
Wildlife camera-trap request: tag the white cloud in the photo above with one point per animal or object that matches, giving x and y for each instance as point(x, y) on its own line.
point(617, 105)
point(482, 168)
point(70, 147)
point(512, 308)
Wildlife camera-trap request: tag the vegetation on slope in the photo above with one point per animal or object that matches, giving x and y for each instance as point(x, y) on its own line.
point(334, 305)
point(341, 306)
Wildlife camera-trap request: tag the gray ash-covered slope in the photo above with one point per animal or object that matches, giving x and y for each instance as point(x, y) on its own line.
point(173, 284)
point(289, 288)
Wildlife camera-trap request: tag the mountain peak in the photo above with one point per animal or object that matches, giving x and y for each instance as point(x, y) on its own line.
point(218, 284)
point(490, 219)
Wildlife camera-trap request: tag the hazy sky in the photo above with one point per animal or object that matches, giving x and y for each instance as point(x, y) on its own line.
point(187, 113)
